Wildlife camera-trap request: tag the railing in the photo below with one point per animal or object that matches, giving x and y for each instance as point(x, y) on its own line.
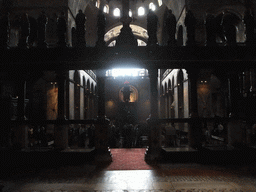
point(174, 133)
point(91, 73)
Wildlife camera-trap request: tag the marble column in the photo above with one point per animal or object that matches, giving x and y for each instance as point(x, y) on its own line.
point(195, 127)
point(61, 130)
point(153, 152)
point(21, 132)
point(103, 153)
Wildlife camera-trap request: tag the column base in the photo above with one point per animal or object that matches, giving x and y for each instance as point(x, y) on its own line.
point(103, 156)
point(153, 155)
point(61, 137)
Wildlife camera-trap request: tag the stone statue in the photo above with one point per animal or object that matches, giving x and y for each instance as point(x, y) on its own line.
point(250, 25)
point(42, 21)
point(229, 28)
point(170, 24)
point(101, 26)
point(4, 31)
point(152, 24)
point(211, 27)
point(62, 29)
point(80, 28)
point(190, 23)
point(33, 31)
point(24, 28)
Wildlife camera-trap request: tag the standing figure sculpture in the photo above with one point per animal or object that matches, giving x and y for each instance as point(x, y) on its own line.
point(62, 29)
point(42, 21)
point(32, 32)
point(24, 28)
point(190, 23)
point(250, 25)
point(101, 26)
point(4, 31)
point(229, 29)
point(152, 24)
point(170, 24)
point(210, 26)
point(80, 29)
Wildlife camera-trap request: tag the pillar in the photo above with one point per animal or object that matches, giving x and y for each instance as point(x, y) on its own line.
point(21, 132)
point(153, 152)
point(234, 93)
point(103, 153)
point(195, 127)
point(61, 129)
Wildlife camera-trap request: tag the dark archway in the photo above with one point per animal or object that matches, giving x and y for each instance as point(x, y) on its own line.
point(180, 36)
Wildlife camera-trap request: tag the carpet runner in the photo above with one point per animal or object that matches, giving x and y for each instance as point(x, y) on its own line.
point(128, 159)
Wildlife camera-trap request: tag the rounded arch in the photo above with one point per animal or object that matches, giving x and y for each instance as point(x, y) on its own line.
point(165, 88)
point(92, 88)
point(138, 31)
point(88, 88)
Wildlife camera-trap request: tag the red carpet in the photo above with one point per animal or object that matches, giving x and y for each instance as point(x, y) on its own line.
point(128, 159)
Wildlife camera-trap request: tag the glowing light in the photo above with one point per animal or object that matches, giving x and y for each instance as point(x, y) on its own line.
point(130, 13)
point(126, 72)
point(141, 11)
point(116, 12)
point(152, 6)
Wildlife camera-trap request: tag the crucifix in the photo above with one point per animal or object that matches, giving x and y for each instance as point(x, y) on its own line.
point(126, 37)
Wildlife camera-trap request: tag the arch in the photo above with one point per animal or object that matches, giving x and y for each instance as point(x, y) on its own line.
point(228, 22)
point(152, 6)
point(138, 31)
point(97, 4)
point(160, 2)
point(117, 12)
point(180, 36)
point(92, 88)
point(141, 11)
point(106, 9)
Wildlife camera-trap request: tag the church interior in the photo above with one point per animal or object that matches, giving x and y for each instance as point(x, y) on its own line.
point(174, 77)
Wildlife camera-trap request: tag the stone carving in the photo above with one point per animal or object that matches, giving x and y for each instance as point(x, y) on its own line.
point(4, 31)
point(170, 24)
point(101, 26)
point(250, 25)
point(80, 28)
point(42, 21)
point(210, 26)
point(24, 28)
point(190, 23)
point(152, 25)
point(62, 29)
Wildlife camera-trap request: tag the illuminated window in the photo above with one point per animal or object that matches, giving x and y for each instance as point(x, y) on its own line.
point(130, 13)
point(126, 72)
point(116, 12)
point(106, 9)
point(97, 4)
point(160, 2)
point(141, 11)
point(152, 6)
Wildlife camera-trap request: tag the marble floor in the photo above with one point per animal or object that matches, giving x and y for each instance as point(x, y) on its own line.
point(164, 177)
